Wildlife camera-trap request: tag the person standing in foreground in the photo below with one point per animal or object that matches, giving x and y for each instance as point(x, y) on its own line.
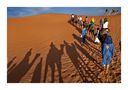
point(107, 52)
point(83, 35)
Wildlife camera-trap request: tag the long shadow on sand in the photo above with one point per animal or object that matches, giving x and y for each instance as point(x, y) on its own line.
point(87, 44)
point(54, 58)
point(11, 68)
point(74, 56)
point(21, 69)
point(37, 73)
point(79, 63)
point(77, 28)
point(90, 39)
point(84, 52)
point(10, 63)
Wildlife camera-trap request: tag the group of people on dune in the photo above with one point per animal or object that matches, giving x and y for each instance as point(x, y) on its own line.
point(100, 33)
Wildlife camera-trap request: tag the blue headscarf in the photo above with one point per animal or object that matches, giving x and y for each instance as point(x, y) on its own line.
point(108, 40)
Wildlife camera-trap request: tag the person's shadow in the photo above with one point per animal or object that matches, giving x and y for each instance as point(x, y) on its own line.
point(21, 69)
point(54, 58)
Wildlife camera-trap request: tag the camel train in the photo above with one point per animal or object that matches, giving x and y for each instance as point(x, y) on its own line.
point(99, 33)
point(95, 31)
point(111, 12)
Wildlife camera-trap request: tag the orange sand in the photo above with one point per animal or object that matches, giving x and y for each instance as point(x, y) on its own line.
point(46, 48)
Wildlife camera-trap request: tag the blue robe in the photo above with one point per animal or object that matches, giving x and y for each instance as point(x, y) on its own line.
point(107, 51)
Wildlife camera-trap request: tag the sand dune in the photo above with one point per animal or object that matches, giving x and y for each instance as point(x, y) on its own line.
point(46, 48)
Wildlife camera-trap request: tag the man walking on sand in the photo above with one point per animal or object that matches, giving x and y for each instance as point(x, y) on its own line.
point(107, 52)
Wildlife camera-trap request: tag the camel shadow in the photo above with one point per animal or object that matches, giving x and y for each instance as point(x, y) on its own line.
point(76, 27)
point(37, 73)
point(10, 63)
point(54, 59)
point(21, 69)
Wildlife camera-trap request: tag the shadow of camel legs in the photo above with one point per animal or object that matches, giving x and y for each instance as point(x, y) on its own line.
point(37, 73)
point(54, 58)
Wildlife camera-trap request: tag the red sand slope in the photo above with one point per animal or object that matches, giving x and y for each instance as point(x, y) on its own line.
point(46, 48)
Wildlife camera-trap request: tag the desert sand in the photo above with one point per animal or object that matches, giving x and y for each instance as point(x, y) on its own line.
point(46, 48)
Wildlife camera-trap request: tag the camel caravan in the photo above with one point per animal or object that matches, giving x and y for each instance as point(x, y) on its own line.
point(99, 33)
point(111, 12)
point(79, 22)
point(95, 31)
